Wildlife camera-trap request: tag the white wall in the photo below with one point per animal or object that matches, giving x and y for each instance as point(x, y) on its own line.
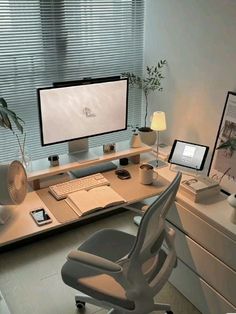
point(198, 40)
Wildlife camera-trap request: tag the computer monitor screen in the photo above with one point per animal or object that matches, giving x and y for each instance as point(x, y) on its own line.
point(188, 155)
point(84, 110)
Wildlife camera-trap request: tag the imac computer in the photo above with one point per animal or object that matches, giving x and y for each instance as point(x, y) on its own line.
point(73, 111)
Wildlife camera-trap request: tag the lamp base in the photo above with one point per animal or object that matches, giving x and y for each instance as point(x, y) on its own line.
point(157, 163)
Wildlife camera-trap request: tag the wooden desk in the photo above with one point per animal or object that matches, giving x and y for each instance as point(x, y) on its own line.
point(21, 226)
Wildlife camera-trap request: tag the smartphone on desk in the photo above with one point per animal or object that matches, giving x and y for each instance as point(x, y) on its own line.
point(40, 216)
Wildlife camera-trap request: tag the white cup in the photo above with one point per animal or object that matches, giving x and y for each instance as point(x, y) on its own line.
point(147, 174)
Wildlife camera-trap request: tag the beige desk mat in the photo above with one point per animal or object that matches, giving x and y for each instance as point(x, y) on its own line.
point(60, 209)
point(131, 190)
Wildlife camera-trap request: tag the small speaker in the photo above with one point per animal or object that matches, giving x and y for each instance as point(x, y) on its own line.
point(124, 161)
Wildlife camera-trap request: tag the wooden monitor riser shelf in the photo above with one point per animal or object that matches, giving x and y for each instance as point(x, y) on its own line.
point(41, 169)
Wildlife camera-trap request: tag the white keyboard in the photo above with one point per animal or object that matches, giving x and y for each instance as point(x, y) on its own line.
point(61, 190)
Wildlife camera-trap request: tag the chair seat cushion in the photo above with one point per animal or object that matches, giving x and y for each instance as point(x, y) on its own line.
point(109, 243)
point(112, 245)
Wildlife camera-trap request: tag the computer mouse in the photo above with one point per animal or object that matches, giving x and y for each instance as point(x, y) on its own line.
point(123, 174)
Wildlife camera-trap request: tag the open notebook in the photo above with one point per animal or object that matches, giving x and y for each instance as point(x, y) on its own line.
point(85, 202)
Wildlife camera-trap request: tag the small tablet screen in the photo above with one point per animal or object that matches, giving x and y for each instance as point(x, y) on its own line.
point(188, 155)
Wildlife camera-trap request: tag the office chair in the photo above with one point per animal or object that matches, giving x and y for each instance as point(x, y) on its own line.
point(117, 270)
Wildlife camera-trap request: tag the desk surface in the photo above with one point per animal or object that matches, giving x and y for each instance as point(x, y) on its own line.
point(21, 225)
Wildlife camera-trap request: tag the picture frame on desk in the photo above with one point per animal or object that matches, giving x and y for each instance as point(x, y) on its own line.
point(223, 163)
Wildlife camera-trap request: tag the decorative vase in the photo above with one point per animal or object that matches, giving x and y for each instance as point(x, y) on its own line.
point(24, 157)
point(148, 136)
point(135, 140)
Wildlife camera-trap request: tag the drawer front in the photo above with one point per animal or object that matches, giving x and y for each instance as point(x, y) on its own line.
point(218, 275)
point(198, 292)
point(203, 233)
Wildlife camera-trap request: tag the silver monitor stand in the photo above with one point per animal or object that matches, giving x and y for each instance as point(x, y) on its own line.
point(79, 149)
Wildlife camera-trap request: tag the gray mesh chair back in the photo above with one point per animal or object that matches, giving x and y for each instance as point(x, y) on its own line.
point(144, 258)
point(124, 272)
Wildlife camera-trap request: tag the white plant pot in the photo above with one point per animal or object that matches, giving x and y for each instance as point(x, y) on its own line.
point(135, 141)
point(148, 138)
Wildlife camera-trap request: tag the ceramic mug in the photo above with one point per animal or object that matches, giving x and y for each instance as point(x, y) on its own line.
point(147, 174)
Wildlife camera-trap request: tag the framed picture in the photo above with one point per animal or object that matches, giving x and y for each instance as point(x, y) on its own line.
point(223, 163)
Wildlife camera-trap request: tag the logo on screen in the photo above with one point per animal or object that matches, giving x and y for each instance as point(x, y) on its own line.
point(88, 112)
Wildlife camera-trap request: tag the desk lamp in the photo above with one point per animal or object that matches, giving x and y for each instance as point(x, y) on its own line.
point(158, 124)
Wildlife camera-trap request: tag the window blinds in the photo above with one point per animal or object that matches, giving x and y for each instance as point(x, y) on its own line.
point(46, 41)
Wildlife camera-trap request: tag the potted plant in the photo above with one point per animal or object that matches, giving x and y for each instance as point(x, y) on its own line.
point(149, 83)
point(135, 140)
point(8, 116)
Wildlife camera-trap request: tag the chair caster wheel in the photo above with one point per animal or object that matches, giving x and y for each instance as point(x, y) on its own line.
point(169, 312)
point(80, 305)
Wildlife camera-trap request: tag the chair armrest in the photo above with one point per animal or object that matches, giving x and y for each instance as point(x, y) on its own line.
point(144, 208)
point(170, 236)
point(94, 261)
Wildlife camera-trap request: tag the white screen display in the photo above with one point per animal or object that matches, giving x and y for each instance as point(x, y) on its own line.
point(188, 155)
point(79, 111)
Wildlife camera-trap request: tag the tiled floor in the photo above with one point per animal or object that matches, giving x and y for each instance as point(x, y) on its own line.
point(30, 277)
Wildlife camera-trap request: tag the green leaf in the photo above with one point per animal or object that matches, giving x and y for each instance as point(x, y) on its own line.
point(5, 121)
point(6, 115)
point(230, 143)
point(3, 102)
point(1, 123)
point(151, 80)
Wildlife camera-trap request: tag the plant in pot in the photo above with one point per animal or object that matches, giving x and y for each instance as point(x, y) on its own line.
point(135, 140)
point(8, 116)
point(151, 82)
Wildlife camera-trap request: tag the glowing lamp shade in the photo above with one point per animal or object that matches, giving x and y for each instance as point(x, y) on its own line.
point(158, 121)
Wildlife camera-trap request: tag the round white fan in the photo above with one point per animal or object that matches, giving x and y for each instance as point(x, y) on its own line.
point(13, 186)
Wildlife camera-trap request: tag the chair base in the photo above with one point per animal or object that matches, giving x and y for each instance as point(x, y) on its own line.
point(81, 299)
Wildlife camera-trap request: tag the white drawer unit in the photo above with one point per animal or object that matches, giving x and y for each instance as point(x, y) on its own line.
point(198, 292)
point(207, 266)
point(206, 261)
point(204, 233)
